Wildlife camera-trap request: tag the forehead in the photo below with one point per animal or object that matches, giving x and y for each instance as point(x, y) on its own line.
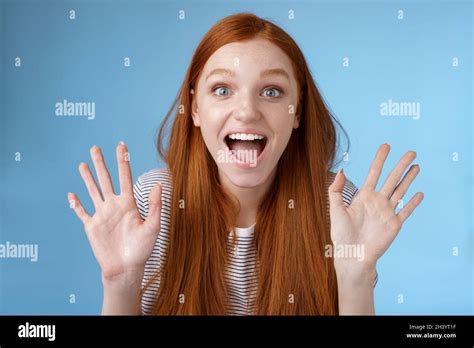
point(256, 53)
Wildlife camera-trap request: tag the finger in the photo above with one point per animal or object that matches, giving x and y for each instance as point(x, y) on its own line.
point(154, 208)
point(403, 186)
point(410, 207)
point(376, 167)
point(75, 204)
point(394, 177)
point(335, 190)
point(91, 185)
point(102, 172)
point(125, 173)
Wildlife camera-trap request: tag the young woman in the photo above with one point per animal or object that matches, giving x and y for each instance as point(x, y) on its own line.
point(242, 218)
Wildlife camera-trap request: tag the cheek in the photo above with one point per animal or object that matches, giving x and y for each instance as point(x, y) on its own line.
point(212, 120)
point(281, 121)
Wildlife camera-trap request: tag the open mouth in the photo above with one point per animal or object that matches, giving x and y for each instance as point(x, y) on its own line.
point(242, 142)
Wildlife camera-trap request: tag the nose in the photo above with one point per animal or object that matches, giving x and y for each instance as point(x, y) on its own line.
point(246, 109)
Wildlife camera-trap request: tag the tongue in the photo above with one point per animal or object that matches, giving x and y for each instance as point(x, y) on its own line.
point(243, 145)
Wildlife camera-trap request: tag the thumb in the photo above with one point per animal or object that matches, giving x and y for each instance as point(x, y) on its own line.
point(154, 208)
point(335, 190)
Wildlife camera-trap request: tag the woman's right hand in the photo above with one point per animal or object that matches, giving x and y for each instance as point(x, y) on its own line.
point(120, 239)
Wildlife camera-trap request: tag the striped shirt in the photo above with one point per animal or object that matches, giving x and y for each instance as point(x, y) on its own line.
point(240, 274)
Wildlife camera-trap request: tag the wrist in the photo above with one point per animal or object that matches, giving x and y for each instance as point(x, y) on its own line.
point(125, 280)
point(355, 273)
point(122, 295)
point(355, 287)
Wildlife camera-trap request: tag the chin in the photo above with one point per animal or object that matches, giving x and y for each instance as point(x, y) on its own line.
point(246, 178)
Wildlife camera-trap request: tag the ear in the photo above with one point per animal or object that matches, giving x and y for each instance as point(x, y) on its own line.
point(296, 122)
point(194, 109)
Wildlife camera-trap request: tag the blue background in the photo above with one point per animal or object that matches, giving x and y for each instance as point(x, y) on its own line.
point(407, 59)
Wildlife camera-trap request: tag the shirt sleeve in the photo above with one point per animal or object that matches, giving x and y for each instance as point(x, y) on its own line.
point(139, 199)
point(138, 194)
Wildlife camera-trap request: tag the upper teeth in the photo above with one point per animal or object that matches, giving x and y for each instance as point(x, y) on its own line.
point(243, 136)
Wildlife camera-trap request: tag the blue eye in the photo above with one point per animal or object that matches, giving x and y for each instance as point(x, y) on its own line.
point(276, 90)
point(273, 92)
point(224, 88)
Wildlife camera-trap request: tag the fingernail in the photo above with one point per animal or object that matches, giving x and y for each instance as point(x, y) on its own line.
point(121, 142)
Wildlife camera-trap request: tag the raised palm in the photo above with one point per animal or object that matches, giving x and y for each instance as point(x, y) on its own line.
point(371, 220)
point(120, 239)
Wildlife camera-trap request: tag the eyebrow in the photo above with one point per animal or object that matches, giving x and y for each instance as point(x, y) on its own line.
point(265, 73)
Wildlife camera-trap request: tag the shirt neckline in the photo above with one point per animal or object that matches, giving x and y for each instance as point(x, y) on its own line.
point(245, 231)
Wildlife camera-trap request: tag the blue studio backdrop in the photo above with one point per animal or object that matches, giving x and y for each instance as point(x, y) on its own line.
point(129, 58)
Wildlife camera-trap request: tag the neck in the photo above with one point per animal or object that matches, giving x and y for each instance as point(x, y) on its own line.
point(249, 198)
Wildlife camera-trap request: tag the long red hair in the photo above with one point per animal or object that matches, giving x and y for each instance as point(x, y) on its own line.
point(289, 240)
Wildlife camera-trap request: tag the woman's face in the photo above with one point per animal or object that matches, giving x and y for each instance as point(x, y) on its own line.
point(245, 104)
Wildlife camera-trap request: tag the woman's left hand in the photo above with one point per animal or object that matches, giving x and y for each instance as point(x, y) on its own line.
point(370, 223)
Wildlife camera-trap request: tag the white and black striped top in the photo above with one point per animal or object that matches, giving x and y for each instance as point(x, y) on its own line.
point(240, 274)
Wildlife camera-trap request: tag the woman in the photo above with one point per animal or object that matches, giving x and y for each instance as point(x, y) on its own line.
point(245, 216)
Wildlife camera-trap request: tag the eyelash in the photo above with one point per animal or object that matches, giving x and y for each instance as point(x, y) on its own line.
point(268, 88)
